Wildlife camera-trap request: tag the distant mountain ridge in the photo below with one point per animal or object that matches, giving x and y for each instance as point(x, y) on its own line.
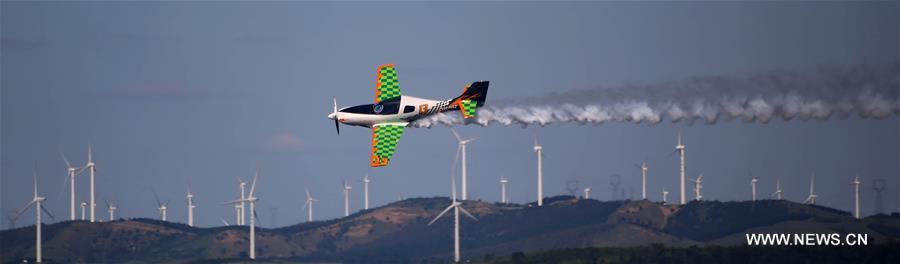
point(398, 232)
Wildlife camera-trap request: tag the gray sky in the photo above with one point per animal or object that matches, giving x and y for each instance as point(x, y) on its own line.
point(196, 93)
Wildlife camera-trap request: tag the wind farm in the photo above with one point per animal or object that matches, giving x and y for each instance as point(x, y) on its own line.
point(162, 142)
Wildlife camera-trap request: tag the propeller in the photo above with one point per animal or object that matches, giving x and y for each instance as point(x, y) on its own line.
point(337, 125)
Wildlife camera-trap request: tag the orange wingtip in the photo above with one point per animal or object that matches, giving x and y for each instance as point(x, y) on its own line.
point(379, 161)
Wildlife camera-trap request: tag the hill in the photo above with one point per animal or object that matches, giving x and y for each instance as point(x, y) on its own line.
point(398, 232)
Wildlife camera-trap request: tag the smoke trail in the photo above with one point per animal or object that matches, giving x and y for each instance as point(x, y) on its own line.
point(868, 90)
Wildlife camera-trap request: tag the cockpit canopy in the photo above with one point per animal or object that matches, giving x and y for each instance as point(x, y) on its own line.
point(384, 108)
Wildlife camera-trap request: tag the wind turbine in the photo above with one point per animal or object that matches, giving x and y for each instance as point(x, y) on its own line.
point(308, 206)
point(540, 177)
point(697, 186)
point(346, 190)
point(643, 168)
point(457, 207)
point(811, 199)
point(243, 185)
point(90, 167)
point(462, 147)
point(614, 181)
point(112, 210)
point(503, 196)
point(753, 181)
point(190, 206)
point(71, 179)
point(777, 192)
point(365, 182)
point(224, 222)
point(856, 183)
point(252, 200)
point(665, 194)
point(587, 193)
point(83, 206)
point(162, 207)
point(680, 149)
point(38, 203)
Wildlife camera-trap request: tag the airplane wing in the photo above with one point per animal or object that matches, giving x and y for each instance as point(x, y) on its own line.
point(386, 85)
point(384, 141)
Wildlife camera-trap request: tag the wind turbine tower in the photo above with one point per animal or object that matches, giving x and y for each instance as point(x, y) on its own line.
point(347, 189)
point(457, 207)
point(587, 193)
point(462, 147)
point(856, 183)
point(680, 149)
point(753, 181)
point(112, 210)
point(38, 203)
point(83, 207)
point(92, 170)
point(243, 186)
point(878, 186)
point(503, 196)
point(365, 182)
point(308, 206)
point(540, 177)
point(190, 206)
point(237, 214)
point(644, 181)
point(665, 195)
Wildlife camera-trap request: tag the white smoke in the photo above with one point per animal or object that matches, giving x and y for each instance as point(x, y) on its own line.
point(867, 90)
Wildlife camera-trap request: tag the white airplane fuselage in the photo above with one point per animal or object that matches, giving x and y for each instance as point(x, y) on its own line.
point(407, 109)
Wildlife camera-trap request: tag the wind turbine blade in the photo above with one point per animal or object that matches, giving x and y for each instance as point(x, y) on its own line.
point(35, 181)
point(458, 138)
point(467, 213)
point(253, 185)
point(48, 212)
point(68, 165)
point(256, 216)
point(224, 222)
point(23, 209)
point(159, 203)
point(233, 202)
point(441, 214)
point(90, 153)
point(305, 204)
point(307, 193)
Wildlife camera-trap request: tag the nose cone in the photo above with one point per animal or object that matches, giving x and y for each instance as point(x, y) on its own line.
point(332, 116)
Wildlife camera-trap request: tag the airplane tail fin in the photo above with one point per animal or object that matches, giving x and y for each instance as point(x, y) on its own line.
point(473, 96)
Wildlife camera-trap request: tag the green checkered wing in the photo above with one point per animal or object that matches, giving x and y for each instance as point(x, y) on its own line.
point(386, 85)
point(384, 142)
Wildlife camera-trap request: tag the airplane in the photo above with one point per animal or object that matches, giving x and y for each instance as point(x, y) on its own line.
point(392, 111)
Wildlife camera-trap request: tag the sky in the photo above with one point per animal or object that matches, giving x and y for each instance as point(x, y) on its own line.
point(178, 95)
